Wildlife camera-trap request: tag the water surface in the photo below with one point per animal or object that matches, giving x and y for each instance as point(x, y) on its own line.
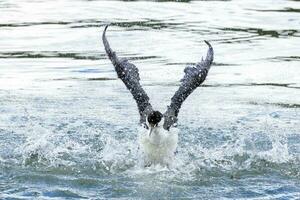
point(68, 127)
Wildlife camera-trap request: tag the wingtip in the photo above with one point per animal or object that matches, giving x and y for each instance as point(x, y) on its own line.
point(210, 52)
point(208, 43)
point(105, 28)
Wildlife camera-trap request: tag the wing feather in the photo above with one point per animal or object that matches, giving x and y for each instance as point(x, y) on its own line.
point(129, 74)
point(193, 78)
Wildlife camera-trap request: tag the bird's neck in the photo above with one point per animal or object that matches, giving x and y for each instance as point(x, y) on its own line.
point(157, 135)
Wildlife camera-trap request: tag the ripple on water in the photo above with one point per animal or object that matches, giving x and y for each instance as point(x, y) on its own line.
point(68, 127)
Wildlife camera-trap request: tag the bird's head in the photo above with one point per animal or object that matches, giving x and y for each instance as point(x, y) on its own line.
point(154, 118)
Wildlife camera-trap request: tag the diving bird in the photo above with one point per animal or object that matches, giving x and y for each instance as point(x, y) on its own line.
point(159, 142)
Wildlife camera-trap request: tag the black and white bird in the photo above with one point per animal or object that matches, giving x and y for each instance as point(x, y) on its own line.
point(159, 142)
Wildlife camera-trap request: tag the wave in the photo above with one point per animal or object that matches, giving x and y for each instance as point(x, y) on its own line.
point(264, 32)
point(202, 152)
point(92, 55)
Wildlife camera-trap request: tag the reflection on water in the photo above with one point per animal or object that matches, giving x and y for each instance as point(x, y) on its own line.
point(68, 127)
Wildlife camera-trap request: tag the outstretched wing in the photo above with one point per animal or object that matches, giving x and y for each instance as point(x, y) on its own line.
point(129, 74)
point(193, 78)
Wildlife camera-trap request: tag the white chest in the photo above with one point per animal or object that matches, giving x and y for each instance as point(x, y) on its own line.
point(159, 147)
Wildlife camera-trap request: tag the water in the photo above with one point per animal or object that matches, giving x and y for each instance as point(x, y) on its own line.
point(68, 127)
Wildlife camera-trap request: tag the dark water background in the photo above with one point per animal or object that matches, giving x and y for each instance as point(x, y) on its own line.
point(68, 127)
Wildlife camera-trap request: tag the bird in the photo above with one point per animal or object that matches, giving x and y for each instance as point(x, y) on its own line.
point(160, 140)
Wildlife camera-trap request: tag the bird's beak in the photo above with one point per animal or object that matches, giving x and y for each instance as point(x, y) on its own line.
point(150, 131)
point(151, 126)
